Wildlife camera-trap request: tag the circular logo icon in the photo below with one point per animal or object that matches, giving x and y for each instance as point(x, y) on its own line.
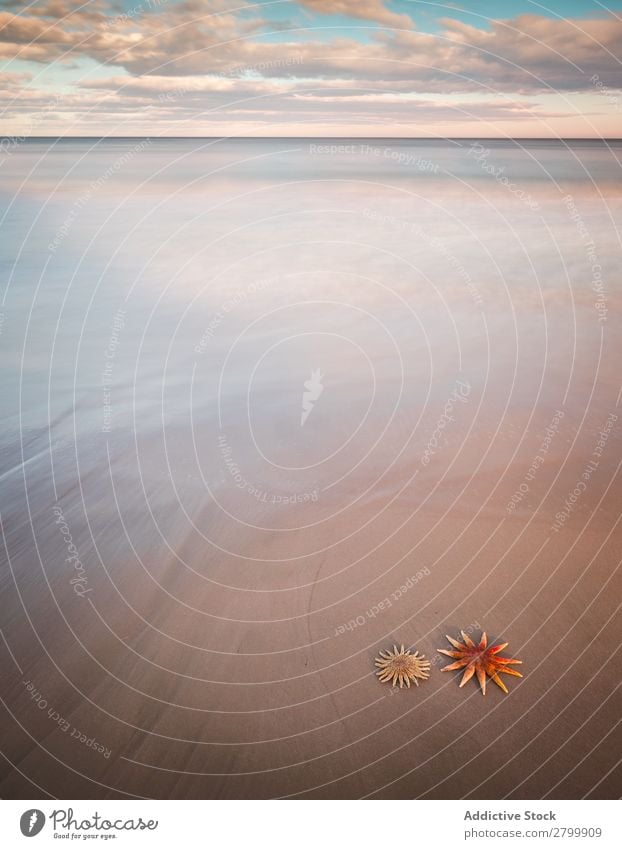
point(32, 822)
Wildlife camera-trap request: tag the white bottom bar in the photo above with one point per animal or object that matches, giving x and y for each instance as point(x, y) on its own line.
point(311, 824)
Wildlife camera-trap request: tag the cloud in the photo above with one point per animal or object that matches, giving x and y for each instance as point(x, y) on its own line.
point(369, 10)
point(203, 60)
point(23, 30)
point(526, 54)
point(534, 51)
point(207, 99)
point(13, 79)
point(213, 107)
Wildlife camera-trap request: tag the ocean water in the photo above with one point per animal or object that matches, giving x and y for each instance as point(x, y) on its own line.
point(252, 386)
point(226, 271)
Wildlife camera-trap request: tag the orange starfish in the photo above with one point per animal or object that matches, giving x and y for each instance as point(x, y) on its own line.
point(481, 659)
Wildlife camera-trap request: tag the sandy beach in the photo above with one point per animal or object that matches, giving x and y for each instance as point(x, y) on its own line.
point(270, 411)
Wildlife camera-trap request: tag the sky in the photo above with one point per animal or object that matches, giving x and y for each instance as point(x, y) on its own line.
point(324, 68)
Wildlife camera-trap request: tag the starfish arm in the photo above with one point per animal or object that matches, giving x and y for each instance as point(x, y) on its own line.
point(484, 641)
point(468, 674)
point(459, 664)
point(507, 660)
point(498, 681)
point(469, 642)
point(509, 671)
point(454, 643)
point(495, 649)
point(450, 653)
point(481, 677)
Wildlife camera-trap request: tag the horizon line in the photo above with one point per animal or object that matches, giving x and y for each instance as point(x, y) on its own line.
point(334, 138)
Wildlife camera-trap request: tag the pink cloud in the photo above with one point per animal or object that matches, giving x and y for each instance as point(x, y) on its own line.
point(370, 10)
point(196, 59)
